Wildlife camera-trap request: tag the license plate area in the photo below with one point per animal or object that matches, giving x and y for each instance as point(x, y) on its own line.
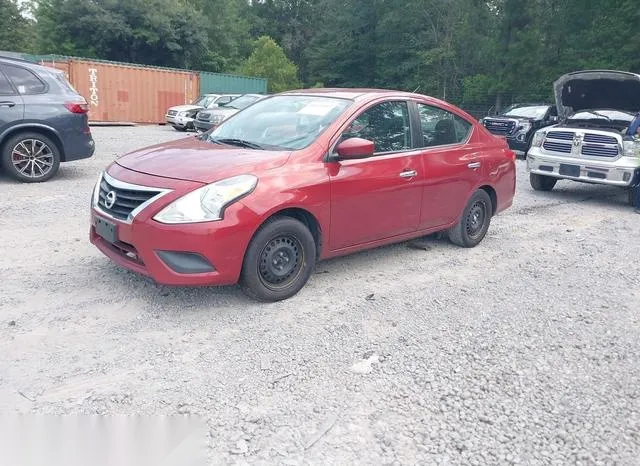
point(570, 170)
point(106, 230)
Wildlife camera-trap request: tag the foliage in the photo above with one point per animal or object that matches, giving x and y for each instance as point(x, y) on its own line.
point(476, 53)
point(269, 61)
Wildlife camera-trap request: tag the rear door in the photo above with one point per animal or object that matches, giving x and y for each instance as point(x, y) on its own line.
point(452, 166)
point(33, 91)
point(377, 197)
point(11, 104)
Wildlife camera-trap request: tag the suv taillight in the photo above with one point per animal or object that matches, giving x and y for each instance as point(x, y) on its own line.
point(75, 107)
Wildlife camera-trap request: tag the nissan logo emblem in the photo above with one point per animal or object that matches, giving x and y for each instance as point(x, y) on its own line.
point(110, 199)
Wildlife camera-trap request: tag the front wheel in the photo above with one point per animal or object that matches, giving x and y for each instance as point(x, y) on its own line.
point(30, 157)
point(279, 260)
point(179, 128)
point(633, 193)
point(474, 222)
point(542, 182)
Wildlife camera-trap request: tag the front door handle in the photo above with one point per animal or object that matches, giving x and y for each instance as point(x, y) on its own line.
point(408, 174)
point(474, 165)
point(7, 103)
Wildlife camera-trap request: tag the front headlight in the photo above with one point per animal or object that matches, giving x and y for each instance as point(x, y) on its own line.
point(631, 148)
point(525, 126)
point(538, 137)
point(217, 119)
point(207, 204)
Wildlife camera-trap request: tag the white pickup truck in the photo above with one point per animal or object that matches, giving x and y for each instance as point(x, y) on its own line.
point(590, 144)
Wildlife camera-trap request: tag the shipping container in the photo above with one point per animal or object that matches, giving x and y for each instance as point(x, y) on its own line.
point(217, 83)
point(128, 93)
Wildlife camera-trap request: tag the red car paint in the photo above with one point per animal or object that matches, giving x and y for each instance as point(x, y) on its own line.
point(357, 203)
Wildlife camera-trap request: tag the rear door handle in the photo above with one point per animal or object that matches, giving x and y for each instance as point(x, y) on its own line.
point(408, 174)
point(7, 103)
point(474, 165)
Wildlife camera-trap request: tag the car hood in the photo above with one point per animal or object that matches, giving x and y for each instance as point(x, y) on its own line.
point(185, 108)
point(194, 160)
point(594, 89)
point(220, 111)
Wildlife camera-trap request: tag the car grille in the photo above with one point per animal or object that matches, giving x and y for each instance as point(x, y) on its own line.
point(204, 117)
point(594, 150)
point(126, 200)
point(172, 112)
point(590, 145)
point(500, 127)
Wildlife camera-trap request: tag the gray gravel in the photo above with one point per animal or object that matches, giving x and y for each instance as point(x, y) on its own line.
point(524, 350)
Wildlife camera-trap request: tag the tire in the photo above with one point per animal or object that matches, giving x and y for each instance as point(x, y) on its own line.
point(474, 221)
point(30, 157)
point(178, 128)
point(281, 240)
point(632, 194)
point(542, 182)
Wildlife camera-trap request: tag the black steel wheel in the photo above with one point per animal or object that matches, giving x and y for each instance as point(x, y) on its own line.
point(30, 157)
point(279, 260)
point(474, 221)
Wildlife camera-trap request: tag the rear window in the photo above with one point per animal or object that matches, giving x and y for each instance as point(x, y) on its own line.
point(24, 80)
point(61, 78)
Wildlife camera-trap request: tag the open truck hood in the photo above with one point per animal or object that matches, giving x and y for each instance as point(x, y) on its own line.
point(594, 89)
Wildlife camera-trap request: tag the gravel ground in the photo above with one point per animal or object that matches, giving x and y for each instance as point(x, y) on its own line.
point(524, 350)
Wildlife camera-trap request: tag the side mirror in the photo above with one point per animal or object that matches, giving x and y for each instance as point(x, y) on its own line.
point(355, 148)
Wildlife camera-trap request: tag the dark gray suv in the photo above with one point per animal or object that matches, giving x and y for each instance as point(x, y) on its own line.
point(43, 121)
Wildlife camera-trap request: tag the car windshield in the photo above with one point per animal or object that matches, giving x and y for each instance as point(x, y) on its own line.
point(204, 100)
point(537, 111)
point(289, 122)
point(241, 102)
point(602, 114)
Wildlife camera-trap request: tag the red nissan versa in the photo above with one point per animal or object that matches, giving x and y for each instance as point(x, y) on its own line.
point(299, 177)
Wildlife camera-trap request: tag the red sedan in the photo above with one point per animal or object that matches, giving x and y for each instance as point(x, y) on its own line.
point(299, 177)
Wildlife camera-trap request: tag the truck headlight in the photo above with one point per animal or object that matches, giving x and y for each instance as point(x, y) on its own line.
point(524, 126)
point(631, 148)
point(538, 137)
point(207, 204)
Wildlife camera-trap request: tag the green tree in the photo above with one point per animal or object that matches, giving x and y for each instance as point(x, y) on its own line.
point(268, 60)
point(16, 29)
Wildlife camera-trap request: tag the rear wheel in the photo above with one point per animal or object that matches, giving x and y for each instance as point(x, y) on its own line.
point(474, 222)
point(279, 260)
point(542, 182)
point(30, 157)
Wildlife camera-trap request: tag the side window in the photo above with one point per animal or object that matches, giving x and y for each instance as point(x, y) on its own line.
point(5, 86)
point(386, 124)
point(553, 112)
point(24, 80)
point(440, 128)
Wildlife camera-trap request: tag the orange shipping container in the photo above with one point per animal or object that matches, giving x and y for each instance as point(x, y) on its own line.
point(122, 93)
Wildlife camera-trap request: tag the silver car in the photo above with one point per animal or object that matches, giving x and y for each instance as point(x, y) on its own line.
point(181, 116)
point(210, 118)
point(590, 143)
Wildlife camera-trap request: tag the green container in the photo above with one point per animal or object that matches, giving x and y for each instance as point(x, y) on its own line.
point(217, 83)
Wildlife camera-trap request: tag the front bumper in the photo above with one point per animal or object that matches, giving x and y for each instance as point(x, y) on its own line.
point(180, 121)
point(519, 144)
point(619, 172)
point(203, 125)
point(209, 253)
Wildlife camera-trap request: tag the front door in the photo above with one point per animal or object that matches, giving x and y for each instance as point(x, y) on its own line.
point(377, 197)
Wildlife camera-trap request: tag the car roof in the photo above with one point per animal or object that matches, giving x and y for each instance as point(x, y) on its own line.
point(26, 63)
point(353, 93)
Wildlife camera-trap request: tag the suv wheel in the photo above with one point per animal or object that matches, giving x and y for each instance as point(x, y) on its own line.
point(30, 157)
point(633, 193)
point(474, 222)
point(279, 260)
point(542, 182)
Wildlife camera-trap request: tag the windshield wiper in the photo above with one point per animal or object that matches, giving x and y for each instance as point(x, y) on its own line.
point(597, 114)
point(238, 142)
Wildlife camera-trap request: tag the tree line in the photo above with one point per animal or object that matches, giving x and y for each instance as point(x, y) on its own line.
point(475, 53)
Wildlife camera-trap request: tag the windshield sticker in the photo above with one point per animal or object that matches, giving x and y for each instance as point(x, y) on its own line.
point(317, 108)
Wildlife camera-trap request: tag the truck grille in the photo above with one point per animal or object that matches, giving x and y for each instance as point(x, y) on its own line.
point(595, 150)
point(172, 112)
point(500, 127)
point(126, 200)
point(587, 145)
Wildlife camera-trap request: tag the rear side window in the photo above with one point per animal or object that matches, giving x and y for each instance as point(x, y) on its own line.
point(24, 80)
point(441, 128)
point(5, 86)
